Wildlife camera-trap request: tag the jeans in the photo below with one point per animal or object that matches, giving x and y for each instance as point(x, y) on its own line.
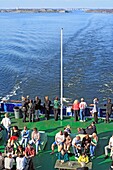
point(24, 141)
point(92, 150)
point(7, 133)
point(82, 114)
point(76, 151)
point(37, 114)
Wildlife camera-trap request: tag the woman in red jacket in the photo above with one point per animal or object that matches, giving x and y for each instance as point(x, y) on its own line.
point(75, 108)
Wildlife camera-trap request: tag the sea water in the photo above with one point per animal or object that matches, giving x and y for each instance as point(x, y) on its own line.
point(30, 55)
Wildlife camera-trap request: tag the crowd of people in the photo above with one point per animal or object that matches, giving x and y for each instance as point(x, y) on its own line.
point(83, 144)
point(32, 108)
point(21, 146)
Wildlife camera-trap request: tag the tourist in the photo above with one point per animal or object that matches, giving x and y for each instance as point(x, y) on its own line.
point(83, 159)
point(19, 151)
point(9, 149)
point(1, 161)
point(82, 107)
point(27, 99)
point(8, 162)
point(25, 136)
point(94, 141)
point(31, 111)
point(109, 147)
point(90, 130)
point(19, 162)
point(59, 139)
point(15, 134)
point(47, 104)
point(29, 154)
point(81, 131)
point(56, 107)
point(95, 109)
point(109, 106)
point(35, 139)
point(67, 129)
point(6, 122)
point(94, 127)
point(86, 141)
point(75, 108)
point(67, 142)
point(37, 106)
point(76, 144)
point(30, 151)
point(24, 108)
point(63, 156)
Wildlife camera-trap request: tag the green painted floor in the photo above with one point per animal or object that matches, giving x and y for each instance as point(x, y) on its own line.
point(45, 161)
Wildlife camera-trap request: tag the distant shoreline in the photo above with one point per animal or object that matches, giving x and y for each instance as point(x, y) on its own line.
point(49, 10)
point(108, 11)
point(44, 10)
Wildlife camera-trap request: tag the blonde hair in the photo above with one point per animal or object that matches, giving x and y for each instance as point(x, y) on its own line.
point(94, 135)
point(68, 126)
point(6, 114)
point(76, 102)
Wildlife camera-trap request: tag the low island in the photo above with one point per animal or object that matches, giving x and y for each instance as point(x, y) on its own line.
point(43, 10)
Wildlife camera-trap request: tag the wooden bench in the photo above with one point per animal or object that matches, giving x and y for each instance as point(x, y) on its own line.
point(70, 165)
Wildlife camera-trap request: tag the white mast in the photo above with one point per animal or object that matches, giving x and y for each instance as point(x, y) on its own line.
point(61, 75)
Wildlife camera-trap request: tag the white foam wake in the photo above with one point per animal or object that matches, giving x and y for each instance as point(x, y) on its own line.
point(13, 92)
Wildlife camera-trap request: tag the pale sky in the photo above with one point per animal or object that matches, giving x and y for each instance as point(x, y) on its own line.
point(56, 3)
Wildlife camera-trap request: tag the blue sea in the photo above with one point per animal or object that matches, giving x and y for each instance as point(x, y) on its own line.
point(30, 55)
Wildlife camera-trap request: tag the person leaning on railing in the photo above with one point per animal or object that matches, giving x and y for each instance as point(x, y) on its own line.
point(109, 106)
point(76, 109)
point(56, 107)
point(95, 109)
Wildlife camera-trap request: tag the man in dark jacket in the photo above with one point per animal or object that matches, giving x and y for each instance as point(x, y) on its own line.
point(109, 106)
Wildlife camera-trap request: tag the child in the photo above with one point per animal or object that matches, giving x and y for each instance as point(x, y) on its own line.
point(83, 159)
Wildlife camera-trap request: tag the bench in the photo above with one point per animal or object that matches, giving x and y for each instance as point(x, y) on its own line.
point(70, 165)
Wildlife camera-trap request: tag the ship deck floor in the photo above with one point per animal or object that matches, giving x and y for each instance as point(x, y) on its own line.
point(45, 161)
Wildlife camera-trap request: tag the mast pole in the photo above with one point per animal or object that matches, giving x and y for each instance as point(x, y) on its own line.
point(61, 74)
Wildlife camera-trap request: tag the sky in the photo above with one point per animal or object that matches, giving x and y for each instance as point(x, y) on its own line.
point(56, 4)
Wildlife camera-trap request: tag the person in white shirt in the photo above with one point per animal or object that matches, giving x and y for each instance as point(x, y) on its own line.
point(82, 107)
point(21, 162)
point(59, 139)
point(8, 163)
point(76, 144)
point(35, 138)
point(109, 147)
point(6, 122)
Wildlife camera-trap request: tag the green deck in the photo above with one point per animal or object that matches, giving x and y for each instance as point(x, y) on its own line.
point(45, 161)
